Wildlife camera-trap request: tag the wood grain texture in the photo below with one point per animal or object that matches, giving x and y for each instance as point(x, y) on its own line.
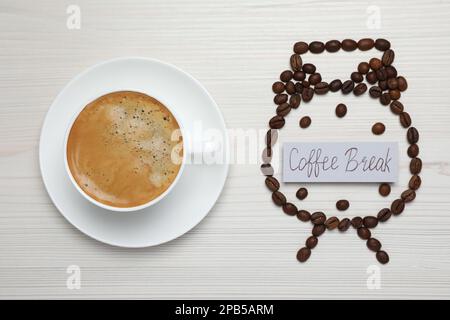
point(246, 247)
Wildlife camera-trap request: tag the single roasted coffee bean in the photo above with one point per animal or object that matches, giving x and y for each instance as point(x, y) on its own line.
point(363, 67)
point(303, 215)
point(394, 94)
point(360, 89)
point(347, 86)
point(301, 47)
point(332, 223)
point(356, 77)
point(375, 92)
point(391, 72)
point(321, 88)
point(333, 46)
point(384, 215)
point(315, 78)
point(385, 99)
point(290, 87)
point(342, 205)
point(271, 137)
point(373, 244)
point(305, 122)
point(316, 47)
point(283, 109)
point(267, 169)
point(301, 193)
point(280, 98)
point(383, 85)
point(272, 183)
point(413, 150)
point(396, 107)
point(370, 222)
point(381, 75)
point(266, 155)
point(344, 224)
point(405, 119)
point(303, 254)
point(412, 135)
point(299, 75)
point(278, 198)
point(278, 87)
point(349, 45)
point(384, 189)
point(311, 242)
point(341, 110)
point(299, 87)
point(277, 122)
point(402, 84)
point(294, 101)
point(388, 57)
point(335, 85)
point(286, 75)
point(371, 77)
point(397, 206)
point(364, 233)
point(415, 166)
point(415, 182)
point(290, 209)
point(318, 229)
point(375, 63)
point(357, 222)
point(306, 84)
point(309, 68)
point(382, 44)
point(307, 94)
point(392, 83)
point(296, 62)
point(365, 44)
point(382, 257)
point(378, 128)
point(318, 218)
point(408, 195)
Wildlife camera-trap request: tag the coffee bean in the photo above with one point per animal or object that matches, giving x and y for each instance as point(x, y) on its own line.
point(370, 221)
point(375, 63)
point(415, 182)
point(318, 218)
point(365, 44)
point(356, 77)
point(396, 107)
point(405, 119)
point(301, 193)
point(278, 87)
point(286, 75)
point(381, 75)
point(315, 78)
point(360, 89)
point(280, 98)
point(373, 244)
point(397, 206)
point(349, 45)
point(316, 47)
point(267, 169)
point(267, 155)
point(294, 101)
point(318, 229)
point(299, 87)
point(335, 85)
point(383, 85)
point(311, 242)
point(385, 99)
point(299, 75)
point(413, 150)
point(384, 215)
point(305, 84)
point(290, 87)
point(392, 83)
point(364, 233)
point(333, 46)
point(388, 57)
point(332, 223)
point(278, 198)
point(303, 215)
point(402, 84)
point(391, 72)
point(344, 224)
point(307, 94)
point(415, 166)
point(303, 254)
point(363, 67)
point(283, 109)
point(277, 122)
point(296, 62)
point(412, 135)
point(301, 47)
point(378, 128)
point(384, 189)
point(382, 257)
point(272, 183)
point(357, 222)
point(394, 94)
point(375, 92)
point(408, 195)
point(341, 110)
point(342, 205)
point(290, 209)
point(271, 137)
point(321, 88)
point(382, 44)
point(371, 77)
point(347, 86)
point(305, 122)
point(309, 68)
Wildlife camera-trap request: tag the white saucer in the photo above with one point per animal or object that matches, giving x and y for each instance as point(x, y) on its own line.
point(187, 203)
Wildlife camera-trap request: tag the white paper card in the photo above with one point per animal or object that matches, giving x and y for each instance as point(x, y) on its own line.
point(340, 161)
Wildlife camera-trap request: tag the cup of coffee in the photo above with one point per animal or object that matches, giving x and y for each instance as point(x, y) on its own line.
point(124, 151)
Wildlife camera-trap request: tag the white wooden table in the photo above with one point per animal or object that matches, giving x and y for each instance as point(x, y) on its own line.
point(246, 247)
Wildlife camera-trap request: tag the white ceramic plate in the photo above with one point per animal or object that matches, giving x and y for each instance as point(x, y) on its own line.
point(187, 203)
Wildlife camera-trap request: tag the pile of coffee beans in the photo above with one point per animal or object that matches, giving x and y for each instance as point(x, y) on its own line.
point(302, 83)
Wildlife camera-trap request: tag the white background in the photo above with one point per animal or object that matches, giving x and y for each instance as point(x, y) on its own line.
point(246, 246)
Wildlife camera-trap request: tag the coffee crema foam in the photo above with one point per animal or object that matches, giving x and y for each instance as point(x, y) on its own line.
point(119, 149)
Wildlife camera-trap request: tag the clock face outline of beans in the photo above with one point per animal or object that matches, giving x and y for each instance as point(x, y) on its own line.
point(304, 82)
